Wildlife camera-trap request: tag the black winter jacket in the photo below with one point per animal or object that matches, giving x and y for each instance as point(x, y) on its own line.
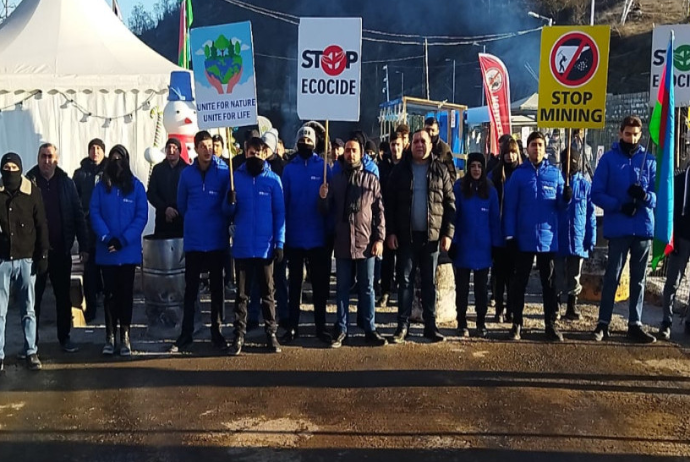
point(441, 151)
point(440, 201)
point(73, 221)
point(162, 193)
point(23, 227)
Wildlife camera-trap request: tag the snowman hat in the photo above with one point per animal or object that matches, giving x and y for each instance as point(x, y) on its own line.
point(180, 86)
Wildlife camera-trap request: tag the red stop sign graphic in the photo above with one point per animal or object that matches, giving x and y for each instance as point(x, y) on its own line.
point(333, 60)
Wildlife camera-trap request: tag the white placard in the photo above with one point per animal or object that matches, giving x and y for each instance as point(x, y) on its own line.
point(681, 61)
point(329, 68)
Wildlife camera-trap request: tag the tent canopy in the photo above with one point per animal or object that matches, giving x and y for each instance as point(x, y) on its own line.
point(76, 46)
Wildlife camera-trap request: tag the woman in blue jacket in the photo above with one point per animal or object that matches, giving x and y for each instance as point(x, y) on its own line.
point(119, 213)
point(477, 233)
point(577, 234)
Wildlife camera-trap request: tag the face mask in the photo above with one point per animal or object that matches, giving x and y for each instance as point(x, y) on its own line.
point(115, 169)
point(255, 165)
point(11, 180)
point(304, 150)
point(628, 148)
point(434, 139)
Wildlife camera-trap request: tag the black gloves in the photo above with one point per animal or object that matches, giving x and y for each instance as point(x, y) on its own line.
point(629, 209)
point(567, 193)
point(637, 192)
point(453, 251)
point(115, 243)
point(232, 197)
point(39, 266)
point(278, 255)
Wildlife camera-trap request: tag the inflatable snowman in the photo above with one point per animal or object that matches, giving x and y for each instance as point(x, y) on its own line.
point(179, 115)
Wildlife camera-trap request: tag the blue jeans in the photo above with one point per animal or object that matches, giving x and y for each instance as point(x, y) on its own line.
point(365, 285)
point(618, 254)
point(423, 254)
point(17, 273)
point(281, 296)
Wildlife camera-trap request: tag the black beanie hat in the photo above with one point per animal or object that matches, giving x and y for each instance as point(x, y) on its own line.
point(97, 142)
point(174, 141)
point(11, 157)
point(119, 149)
point(476, 157)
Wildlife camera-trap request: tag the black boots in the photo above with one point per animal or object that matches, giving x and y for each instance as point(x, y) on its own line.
point(572, 313)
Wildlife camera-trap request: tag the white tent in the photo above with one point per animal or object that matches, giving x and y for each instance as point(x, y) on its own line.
point(77, 73)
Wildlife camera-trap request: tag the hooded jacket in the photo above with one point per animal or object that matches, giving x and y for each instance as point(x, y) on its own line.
point(477, 228)
point(73, 220)
point(85, 179)
point(615, 173)
point(259, 214)
point(577, 224)
point(23, 226)
point(162, 194)
point(440, 201)
point(122, 216)
point(305, 226)
point(532, 201)
point(355, 235)
point(200, 199)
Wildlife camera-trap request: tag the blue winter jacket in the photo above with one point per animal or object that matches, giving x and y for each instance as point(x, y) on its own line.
point(369, 166)
point(533, 198)
point(200, 199)
point(259, 214)
point(116, 215)
point(305, 226)
point(577, 224)
point(615, 173)
point(477, 228)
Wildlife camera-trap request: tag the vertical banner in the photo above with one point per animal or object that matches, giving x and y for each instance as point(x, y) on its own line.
point(224, 79)
point(681, 63)
point(329, 69)
point(572, 76)
point(497, 90)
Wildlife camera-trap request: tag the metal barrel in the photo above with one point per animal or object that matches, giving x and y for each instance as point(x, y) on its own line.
point(163, 280)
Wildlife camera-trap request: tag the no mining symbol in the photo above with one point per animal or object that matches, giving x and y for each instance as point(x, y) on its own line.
point(574, 59)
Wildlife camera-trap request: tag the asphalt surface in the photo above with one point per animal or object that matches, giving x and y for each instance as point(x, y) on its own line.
point(488, 400)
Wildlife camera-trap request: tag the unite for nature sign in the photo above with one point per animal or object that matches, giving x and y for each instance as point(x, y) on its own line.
point(329, 67)
point(224, 79)
point(572, 77)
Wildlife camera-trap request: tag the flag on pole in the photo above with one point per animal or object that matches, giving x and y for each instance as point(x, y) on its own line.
point(186, 19)
point(662, 132)
point(117, 10)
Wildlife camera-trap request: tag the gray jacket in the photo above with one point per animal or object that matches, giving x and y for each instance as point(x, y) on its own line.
point(355, 233)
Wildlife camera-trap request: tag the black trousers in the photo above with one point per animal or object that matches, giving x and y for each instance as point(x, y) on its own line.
point(523, 267)
point(59, 271)
point(247, 270)
point(462, 292)
point(318, 261)
point(93, 282)
point(195, 264)
point(502, 271)
point(388, 269)
point(119, 297)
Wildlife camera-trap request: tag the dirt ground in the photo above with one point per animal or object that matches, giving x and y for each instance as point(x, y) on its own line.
point(461, 400)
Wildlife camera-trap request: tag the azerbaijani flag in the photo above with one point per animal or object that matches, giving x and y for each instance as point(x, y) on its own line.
point(662, 131)
point(186, 19)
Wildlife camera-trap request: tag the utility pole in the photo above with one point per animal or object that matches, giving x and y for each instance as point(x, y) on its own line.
point(426, 66)
point(591, 14)
point(387, 89)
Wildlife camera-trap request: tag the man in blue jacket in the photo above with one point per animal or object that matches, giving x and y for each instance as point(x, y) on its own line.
point(200, 197)
point(533, 197)
point(257, 207)
point(305, 233)
point(624, 187)
point(577, 234)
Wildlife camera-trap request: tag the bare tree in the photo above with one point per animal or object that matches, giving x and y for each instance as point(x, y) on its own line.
point(140, 20)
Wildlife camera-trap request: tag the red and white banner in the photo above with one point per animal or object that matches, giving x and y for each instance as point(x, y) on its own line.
point(497, 90)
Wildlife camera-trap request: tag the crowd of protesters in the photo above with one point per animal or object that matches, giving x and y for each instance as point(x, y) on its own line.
point(382, 216)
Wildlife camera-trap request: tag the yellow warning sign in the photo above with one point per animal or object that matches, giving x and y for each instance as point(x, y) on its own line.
point(572, 76)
